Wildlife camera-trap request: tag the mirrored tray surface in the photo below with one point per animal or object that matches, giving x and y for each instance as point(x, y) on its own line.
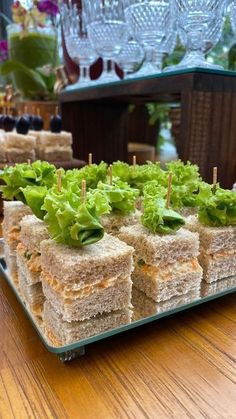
point(76, 335)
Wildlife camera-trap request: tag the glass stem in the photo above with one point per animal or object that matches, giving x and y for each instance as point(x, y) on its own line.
point(106, 67)
point(159, 60)
point(195, 42)
point(84, 74)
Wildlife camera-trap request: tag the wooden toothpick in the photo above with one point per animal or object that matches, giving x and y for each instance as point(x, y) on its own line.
point(56, 110)
point(59, 179)
point(134, 161)
point(169, 190)
point(83, 191)
point(110, 173)
point(29, 161)
point(215, 176)
point(90, 159)
point(38, 112)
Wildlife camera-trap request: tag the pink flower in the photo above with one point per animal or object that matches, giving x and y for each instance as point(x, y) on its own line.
point(50, 7)
point(3, 50)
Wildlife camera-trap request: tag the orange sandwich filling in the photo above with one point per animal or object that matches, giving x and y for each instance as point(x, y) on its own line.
point(14, 235)
point(83, 292)
point(33, 260)
point(166, 272)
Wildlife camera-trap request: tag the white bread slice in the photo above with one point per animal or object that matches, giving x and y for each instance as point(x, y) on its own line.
point(155, 249)
point(217, 286)
point(163, 283)
point(25, 143)
point(114, 221)
point(115, 296)
point(13, 212)
point(33, 232)
point(62, 332)
point(31, 277)
point(218, 265)
point(76, 268)
point(51, 139)
point(10, 259)
point(17, 155)
point(57, 153)
point(32, 294)
point(144, 306)
point(212, 239)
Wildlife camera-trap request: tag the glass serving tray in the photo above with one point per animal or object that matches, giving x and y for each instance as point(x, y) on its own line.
point(144, 311)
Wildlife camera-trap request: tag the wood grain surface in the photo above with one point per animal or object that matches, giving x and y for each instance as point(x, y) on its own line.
point(180, 367)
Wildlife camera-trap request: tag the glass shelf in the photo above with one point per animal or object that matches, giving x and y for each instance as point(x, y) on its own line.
point(196, 70)
point(144, 311)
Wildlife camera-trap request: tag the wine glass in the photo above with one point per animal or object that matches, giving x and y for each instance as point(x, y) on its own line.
point(212, 34)
point(77, 42)
point(107, 31)
point(130, 58)
point(194, 18)
point(167, 46)
point(148, 21)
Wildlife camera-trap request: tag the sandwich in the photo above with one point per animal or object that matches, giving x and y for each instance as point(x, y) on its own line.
point(60, 332)
point(13, 212)
point(218, 286)
point(165, 265)
point(33, 231)
point(217, 249)
point(216, 226)
point(113, 222)
point(51, 146)
point(144, 306)
point(83, 282)
point(19, 147)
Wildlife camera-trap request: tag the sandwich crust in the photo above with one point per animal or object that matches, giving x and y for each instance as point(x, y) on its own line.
point(76, 268)
point(155, 249)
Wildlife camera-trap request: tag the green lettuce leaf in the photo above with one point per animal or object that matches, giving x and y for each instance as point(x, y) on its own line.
point(21, 175)
point(34, 197)
point(69, 220)
point(219, 209)
point(159, 219)
point(92, 174)
point(138, 175)
point(121, 196)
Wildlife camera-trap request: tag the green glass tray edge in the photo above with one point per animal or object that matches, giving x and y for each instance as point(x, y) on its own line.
point(109, 333)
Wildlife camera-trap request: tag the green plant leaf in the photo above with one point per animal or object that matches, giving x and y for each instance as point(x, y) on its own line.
point(35, 80)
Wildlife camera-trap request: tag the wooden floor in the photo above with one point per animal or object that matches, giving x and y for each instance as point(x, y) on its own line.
point(180, 367)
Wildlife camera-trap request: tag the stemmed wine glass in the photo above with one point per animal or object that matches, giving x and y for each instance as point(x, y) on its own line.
point(107, 31)
point(167, 46)
point(148, 21)
point(77, 42)
point(194, 18)
point(212, 34)
point(130, 59)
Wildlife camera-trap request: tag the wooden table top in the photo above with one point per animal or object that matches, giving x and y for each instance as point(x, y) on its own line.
point(178, 367)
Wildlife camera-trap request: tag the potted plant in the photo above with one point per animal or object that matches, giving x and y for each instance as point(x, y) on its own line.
point(33, 48)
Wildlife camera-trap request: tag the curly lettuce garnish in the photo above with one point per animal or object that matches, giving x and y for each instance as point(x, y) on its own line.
point(34, 197)
point(92, 173)
point(219, 210)
point(138, 175)
point(120, 195)
point(186, 195)
point(183, 173)
point(71, 221)
point(159, 219)
point(21, 175)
